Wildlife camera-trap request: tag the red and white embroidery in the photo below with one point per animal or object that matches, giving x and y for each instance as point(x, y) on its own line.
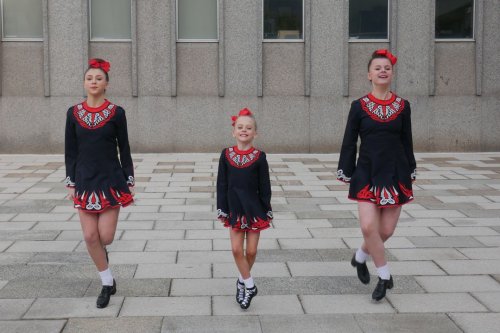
point(242, 159)
point(91, 119)
point(96, 202)
point(384, 196)
point(382, 111)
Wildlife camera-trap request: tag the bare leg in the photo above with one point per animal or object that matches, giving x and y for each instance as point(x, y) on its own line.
point(237, 240)
point(369, 218)
point(89, 223)
point(389, 218)
point(251, 248)
point(107, 225)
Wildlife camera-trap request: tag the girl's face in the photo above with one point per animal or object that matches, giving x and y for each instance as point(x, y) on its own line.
point(95, 82)
point(244, 130)
point(380, 72)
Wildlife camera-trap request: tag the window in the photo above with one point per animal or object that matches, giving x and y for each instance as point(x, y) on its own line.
point(368, 19)
point(283, 19)
point(454, 19)
point(22, 19)
point(110, 20)
point(197, 20)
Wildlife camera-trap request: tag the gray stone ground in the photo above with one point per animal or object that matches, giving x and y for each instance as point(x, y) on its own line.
point(175, 272)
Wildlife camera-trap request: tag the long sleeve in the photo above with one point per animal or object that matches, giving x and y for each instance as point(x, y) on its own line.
point(222, 184)
point(70, 150)
point(406, 139)
point(265, 185)
point(124, 147)
point(347, 160)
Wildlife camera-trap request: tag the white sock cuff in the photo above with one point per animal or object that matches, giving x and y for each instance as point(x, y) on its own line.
point(361, 255)
point(383, 272)
point(241, 279)
point(249, 282)
point(106, 277)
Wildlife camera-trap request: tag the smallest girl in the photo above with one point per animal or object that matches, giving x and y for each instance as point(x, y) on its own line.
point(244, 200)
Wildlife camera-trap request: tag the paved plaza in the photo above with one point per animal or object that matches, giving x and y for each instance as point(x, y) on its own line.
point(175, 271)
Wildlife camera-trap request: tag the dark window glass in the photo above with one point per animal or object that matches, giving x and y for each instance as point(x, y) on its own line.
point(454, 18)
point(368, 19)
point(282, 19)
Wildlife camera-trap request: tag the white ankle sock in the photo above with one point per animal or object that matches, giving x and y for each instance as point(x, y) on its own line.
point(249, 282)
point(241, 279)
point(106, 277)
point(361, 256)
point(383, 272)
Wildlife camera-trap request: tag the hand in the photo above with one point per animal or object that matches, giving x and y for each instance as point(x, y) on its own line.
point(132, 191)
point(71, 193)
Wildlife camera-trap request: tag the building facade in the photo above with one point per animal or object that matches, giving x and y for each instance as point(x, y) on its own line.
point(181, 72)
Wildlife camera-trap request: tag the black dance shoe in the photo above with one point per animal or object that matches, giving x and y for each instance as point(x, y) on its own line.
point(240, 291)
point(381, 288)
point(105, 295)
point(363, 274)
point(249, 294)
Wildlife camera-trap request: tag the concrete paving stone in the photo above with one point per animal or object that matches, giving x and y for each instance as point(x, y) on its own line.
point(477, 322)
point(426, 254)
point(14, 308)
point(27, 217)
point(4, 245)
point(482, 213)
point(323, 304)
point(484, 222)
point(330, 285)
point(411, 268)
point(188, 195)
point(121, 324)
point(212, 324)
point(72, 307)
point(260, 269)
point(6, 217)
point(464, 199)
point(324, 214)
point(467, 267)
point(185, 225)
point(79, 271)
point(264, 244)
point(43, 287)
point(412, 222)
point(203, 287)
point(117, 258)
point(43, 246)
point(482, 253)
point(435, 213)
point(185, 208)
point(16, 225)
point(261, 305)
point(157, 202)
point(344, 255)
point(134, 287)
point(488, 240)
point(315, 243)
point(61, 258)
point(320, 268)
point(29, 235)
point(200, 257)
point(287, 255)
point(2, 284)
point(465, 231)
point(309, 323)
point(152, 234)
point(497, 229)
point(199, 216)
point(445, 241)
point(68, 225)
point(284, 216)
point(165, 306)
point(23, 271)
point(344, 222)
point(155, 216)
point(435, 303)
point(78, 235)
point(393, 242)
point(179, 245)
point(310, 223)
point(490, 205)
point(458, 283)
point(489, 299)
point(285, 233)
point(39, 326)
point(173, 271)
point(208, 234)
point(405, 323)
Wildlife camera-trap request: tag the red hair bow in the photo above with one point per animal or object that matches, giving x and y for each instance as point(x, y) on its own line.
point(386, 53)
point(104, 65)
point(243, 112)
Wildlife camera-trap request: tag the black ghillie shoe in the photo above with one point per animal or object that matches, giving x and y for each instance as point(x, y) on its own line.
point(240, 291)
point(363, 273)
point(381, 288)
point(249, 294)
point(105, 295)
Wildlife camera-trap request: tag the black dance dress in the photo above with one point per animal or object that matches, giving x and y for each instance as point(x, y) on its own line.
point(386, 165)
point(93, 137)
point(244, 190)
